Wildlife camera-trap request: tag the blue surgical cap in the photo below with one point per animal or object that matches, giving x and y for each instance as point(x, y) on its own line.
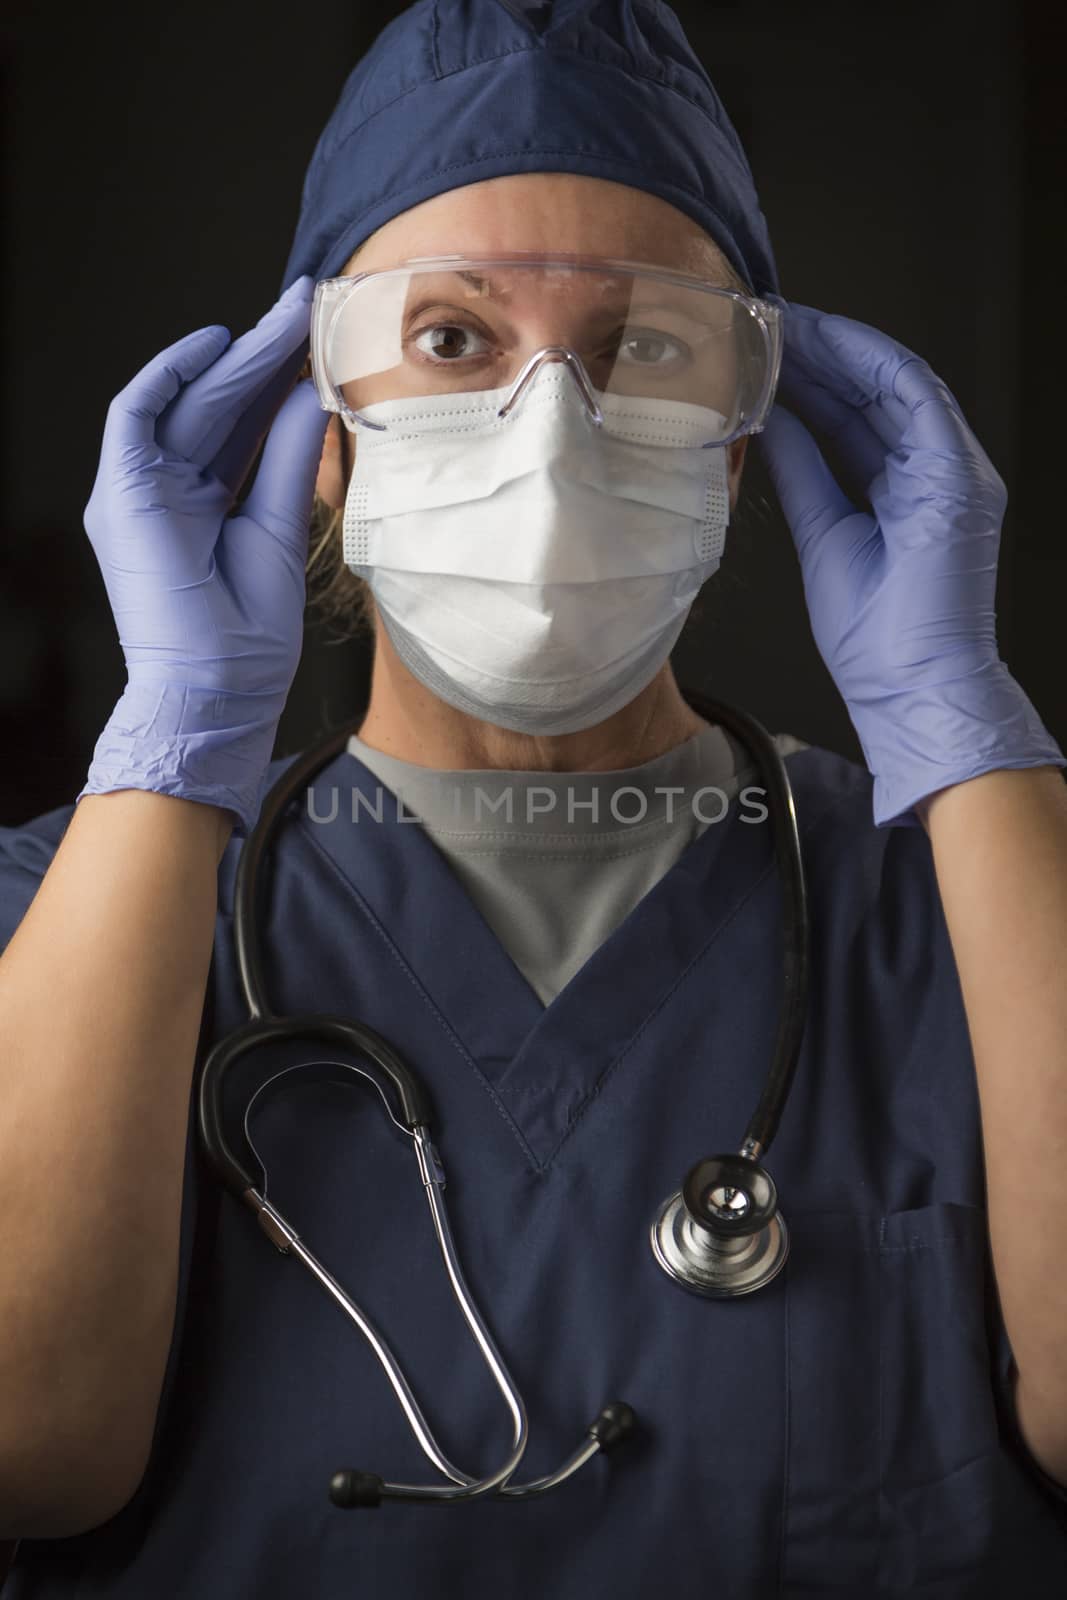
point(456, 91)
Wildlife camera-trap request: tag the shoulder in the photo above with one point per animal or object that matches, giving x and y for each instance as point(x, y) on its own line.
point(856, 871)
point(835, 803)
point(827, 787)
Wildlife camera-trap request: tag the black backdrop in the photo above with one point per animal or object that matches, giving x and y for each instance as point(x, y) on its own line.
point(906, 158)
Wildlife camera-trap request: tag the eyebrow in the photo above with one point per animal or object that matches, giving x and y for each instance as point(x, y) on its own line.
point(485, 289)
point(481, 284)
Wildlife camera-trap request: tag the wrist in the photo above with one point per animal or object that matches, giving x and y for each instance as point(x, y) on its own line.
point(923, 740)
point(192, 744)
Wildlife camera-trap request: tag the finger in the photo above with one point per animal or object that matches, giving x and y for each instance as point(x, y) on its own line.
point(935, 419)
point(807, 348)
point(844, 425)
point(873, 360)
point(200, 422)
point(133, 413)
point(808, 352)
point(280, 499)
point(892, 377)
point(810, 495)
point(933, 439)
point(903, 403)
point(233, 462)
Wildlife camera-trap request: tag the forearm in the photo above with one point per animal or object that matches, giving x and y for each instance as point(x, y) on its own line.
point(1000, 852)
point(101, 998)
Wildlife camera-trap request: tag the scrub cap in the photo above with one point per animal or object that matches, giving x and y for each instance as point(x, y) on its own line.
point(456, 91)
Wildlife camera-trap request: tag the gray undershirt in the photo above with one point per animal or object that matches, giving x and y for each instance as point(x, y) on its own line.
point(554, 861)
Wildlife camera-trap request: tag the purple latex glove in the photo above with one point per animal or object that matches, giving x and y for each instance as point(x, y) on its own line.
point(209, 607)
point(902, 601)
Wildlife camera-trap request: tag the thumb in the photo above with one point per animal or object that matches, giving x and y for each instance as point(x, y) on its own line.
point(810, 495)
point(280, 498)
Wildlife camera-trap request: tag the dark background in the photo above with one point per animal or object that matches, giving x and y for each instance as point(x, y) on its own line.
point(906, 159)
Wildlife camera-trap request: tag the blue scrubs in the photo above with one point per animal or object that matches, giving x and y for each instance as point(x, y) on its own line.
point(842, 1431)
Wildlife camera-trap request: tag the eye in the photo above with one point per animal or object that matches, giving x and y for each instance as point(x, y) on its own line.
point(446, 341)
point(644, 347)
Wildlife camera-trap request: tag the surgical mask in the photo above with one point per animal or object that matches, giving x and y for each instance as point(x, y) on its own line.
point(535, 571)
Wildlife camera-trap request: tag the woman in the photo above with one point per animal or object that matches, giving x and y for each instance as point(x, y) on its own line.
point(591, 1008)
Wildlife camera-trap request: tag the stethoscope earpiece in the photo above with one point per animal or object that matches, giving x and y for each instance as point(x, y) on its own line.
point(722, 1235)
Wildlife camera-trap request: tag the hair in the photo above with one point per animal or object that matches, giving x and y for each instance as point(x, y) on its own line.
point(339, 600)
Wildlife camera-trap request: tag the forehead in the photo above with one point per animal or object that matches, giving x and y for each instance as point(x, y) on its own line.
point(557, 212)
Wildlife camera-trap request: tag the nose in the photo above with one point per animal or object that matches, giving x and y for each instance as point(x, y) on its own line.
point(576, 367)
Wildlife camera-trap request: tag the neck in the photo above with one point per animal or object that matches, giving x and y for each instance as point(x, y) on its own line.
point(406, 720)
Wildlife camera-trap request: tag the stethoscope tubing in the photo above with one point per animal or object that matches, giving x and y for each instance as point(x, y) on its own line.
point(244, 1176)
point(796, 941)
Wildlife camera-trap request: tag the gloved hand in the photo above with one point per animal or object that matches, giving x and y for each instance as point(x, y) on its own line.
point(209, 607)
point(902, 601)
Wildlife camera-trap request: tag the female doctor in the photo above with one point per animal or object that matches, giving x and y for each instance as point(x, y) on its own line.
point(589, 1004)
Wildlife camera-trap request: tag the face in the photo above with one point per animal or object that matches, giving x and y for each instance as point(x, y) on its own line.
point(579, 215)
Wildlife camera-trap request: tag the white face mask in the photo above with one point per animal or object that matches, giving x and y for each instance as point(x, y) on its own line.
point(536, 571)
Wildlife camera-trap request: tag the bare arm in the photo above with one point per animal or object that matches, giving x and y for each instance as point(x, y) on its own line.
point(1000, 851)
point(101, 997)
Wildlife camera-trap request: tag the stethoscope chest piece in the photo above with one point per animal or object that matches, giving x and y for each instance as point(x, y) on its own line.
point(722, 1234)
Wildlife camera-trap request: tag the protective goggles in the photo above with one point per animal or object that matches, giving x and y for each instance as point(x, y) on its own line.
point(445, 326)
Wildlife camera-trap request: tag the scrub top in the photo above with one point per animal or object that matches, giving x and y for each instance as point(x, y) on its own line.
point(847, 1429)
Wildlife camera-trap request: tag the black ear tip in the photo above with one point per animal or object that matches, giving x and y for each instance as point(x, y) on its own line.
point(614, 1424)
point(348, 1489)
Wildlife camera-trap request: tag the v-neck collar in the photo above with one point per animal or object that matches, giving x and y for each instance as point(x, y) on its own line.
point(542, 1063)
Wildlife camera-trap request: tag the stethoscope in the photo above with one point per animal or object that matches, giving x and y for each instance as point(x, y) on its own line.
point(720, 1235)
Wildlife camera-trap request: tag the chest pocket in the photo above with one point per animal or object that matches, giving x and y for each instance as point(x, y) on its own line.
point(893, 1455)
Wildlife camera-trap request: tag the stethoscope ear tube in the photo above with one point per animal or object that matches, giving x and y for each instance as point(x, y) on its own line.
point(240, 1169)
point(237, 1165)
point(247, 910)
point(796, 937)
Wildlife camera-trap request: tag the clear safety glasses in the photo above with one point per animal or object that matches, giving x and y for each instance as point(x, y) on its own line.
point(447, 326)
